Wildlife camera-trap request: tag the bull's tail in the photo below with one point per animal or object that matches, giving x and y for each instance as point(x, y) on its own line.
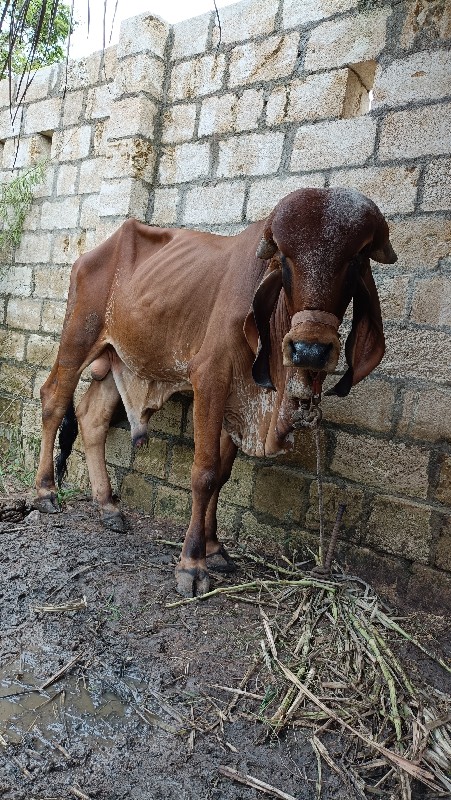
point(67, 435)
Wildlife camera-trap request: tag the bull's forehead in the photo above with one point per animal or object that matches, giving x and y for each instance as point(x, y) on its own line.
point(331, 222)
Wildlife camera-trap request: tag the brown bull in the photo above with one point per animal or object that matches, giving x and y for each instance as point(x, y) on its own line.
point(249, 323)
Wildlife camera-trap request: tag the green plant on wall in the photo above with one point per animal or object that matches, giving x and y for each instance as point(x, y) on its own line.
point(16, 197)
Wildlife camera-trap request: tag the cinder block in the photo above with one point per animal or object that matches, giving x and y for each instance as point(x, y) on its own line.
point(11, 412)
point(184, 162)
point(118, 447)
point(53, 316)
point(151, 459)
point(10, 127)
point(34, 248)
point(51, 283)
point(265, 193)
point(221, 203)
point(251, 154)
point(348, 40)
point(144, 33)
point(165, 206)
point(425, 415)
point(238, 488)
point(72, 108)
point(16, 380)
point(314, 97)
point(251, 18)
point(393, 189)
point(421, 241)
point(270, 59)
point(109, 63)
point(393, 295)
point(31, 418)
point(333, 497)
point(91, 175)
point(66, 179)
point(168, 419)
point(136, 492)
point(173, 504)
point(190, 36)
point(437, 186)
point(81, 72)
point(189, 79)
point(260, 537)
point(368, 405)
point(230, 113)
point(16, 281)
point(41, 350)
point(280, 493)
point(126, 197)
point(43, 116)
point(72, 143)
point(419, 76)
point(429, 588)
point(416, 132)
point(132, 116)
point(296, 14)
point(178, 123)
point(387, 465)
point(181, 463)
point(400, 527)
point(89, 212)
point(27, 151)
point(130, 158)
point(67, 247)
point(99, 102)
point(100, 138)
point(24, 313)
point(431, 302)
point(442, 492)
point(333, 144)
point(60, 214)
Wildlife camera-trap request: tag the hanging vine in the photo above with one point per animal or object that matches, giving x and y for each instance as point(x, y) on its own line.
point(16, 198)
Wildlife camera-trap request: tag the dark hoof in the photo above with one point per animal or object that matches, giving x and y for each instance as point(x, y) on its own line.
point(113, 521)
point(221, 561)
point(192, 582)
point(47, 505)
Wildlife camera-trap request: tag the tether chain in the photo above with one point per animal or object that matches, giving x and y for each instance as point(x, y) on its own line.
point(310, 417)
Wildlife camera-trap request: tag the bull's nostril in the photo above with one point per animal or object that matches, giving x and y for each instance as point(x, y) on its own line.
point(312, 355)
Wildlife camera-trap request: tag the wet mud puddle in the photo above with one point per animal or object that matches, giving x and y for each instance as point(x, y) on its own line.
point(69, 709)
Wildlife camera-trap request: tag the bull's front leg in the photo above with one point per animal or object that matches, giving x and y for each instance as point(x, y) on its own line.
point(217, 557)
point(209, 402)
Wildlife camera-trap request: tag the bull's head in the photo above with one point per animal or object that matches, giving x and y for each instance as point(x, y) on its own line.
point(318, 244)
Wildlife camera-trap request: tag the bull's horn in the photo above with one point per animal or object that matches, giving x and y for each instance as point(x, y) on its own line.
point(266, 249)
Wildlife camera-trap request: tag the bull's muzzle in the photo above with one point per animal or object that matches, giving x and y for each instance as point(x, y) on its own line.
point(312, 343)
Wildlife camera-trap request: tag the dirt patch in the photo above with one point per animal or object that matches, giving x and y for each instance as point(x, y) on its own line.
point(119, 697)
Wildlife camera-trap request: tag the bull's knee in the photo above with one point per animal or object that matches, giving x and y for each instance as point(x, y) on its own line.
point(204, 482)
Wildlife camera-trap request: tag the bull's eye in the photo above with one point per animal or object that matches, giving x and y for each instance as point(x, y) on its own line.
point(286, 276)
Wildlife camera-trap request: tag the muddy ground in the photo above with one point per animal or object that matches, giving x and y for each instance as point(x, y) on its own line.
point(137, 713)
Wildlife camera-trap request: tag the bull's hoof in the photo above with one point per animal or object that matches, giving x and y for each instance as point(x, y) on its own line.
point(47, 505)
point(113, 521)
point(192, 582)
point(221, 561)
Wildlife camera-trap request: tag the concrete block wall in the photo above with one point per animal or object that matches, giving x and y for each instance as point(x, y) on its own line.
point(207, 127)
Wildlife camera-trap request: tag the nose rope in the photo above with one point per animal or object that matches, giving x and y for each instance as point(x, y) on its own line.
point(320, 317)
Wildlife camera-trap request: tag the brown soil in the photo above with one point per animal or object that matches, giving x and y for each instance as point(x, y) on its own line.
point(138, 713)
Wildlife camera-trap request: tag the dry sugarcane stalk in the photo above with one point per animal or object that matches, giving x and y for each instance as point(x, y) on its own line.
point(256, 783)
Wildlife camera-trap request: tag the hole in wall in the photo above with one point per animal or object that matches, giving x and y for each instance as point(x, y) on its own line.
point(2, 147)
point(41, 146)
point(359, 89)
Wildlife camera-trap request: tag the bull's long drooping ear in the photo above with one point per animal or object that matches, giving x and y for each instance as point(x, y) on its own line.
point(365, 345)
point(256, 326)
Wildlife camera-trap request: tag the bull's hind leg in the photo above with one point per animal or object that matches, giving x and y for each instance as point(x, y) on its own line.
point(94, 413)
point(56, 397)
point(217, 557)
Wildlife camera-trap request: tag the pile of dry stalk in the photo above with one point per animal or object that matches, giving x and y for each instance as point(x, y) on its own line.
point(327, 661)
